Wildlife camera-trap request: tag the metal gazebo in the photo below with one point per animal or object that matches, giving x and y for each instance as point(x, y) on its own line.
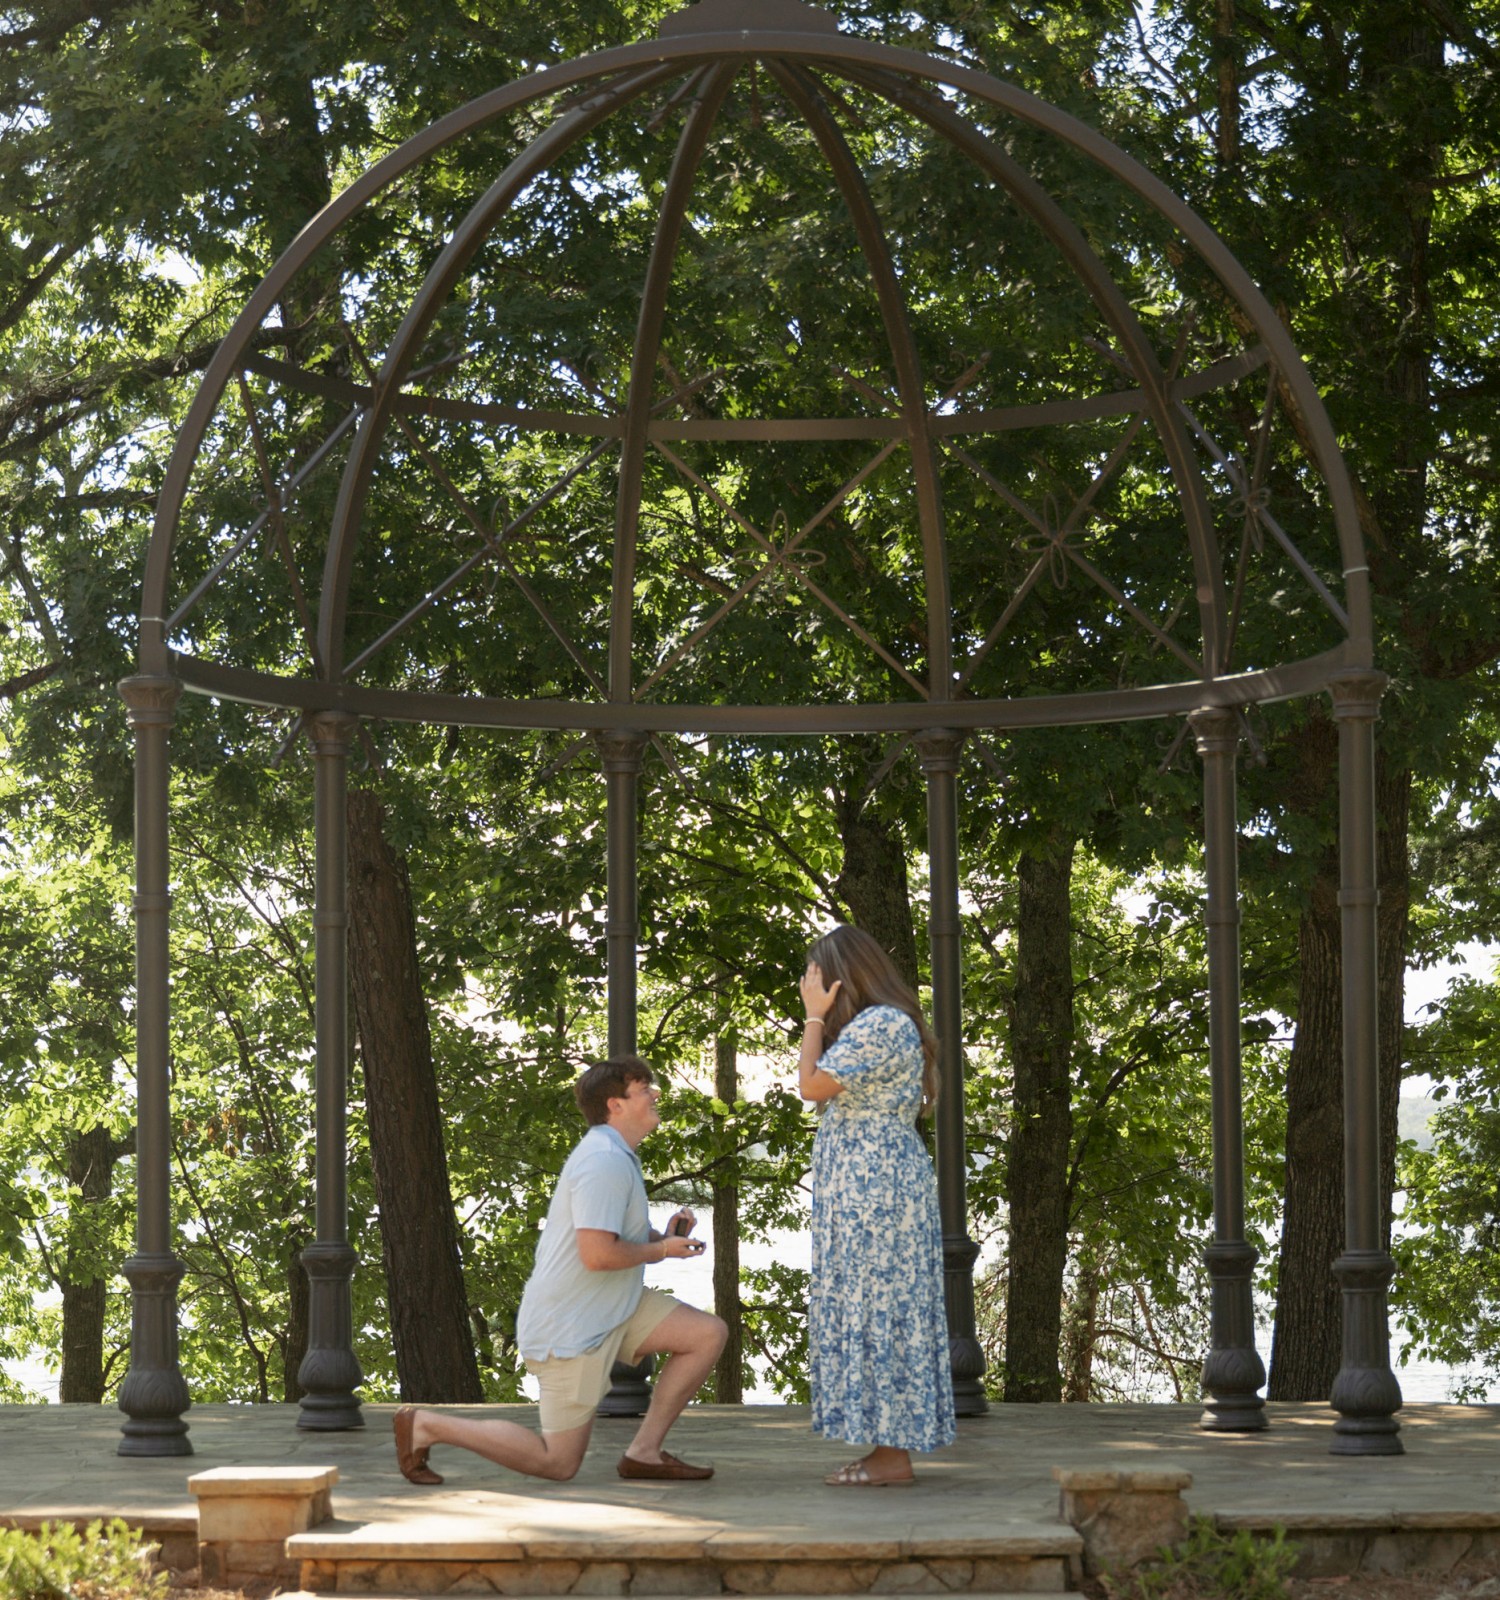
point(1137, 387)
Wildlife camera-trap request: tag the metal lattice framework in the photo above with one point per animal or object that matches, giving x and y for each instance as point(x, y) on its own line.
point(926, 537)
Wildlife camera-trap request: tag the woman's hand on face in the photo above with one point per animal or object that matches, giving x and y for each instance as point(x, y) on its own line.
point(817, 1000)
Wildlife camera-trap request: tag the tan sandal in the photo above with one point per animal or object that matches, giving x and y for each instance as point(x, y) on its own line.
point(857, 1475)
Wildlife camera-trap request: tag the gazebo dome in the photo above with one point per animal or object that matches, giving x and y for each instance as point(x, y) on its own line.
point(686, 426)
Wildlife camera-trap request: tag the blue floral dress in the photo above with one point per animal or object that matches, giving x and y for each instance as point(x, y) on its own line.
point(877, 1328)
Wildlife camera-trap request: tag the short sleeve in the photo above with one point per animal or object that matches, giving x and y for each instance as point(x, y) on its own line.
point(601, 1194)
point(876, 1047)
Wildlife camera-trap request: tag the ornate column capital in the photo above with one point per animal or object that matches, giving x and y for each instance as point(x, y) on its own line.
point(1357, 693)
point(331, 731)
point(1216, 729)
point(151, 700)
point(939, 749)
point(620, 749)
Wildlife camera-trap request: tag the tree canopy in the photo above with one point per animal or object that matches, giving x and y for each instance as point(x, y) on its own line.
point(157, 157)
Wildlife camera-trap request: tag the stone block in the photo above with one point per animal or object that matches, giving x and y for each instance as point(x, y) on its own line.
point(532, 1577)
point(265, 1517)
point(1409, 1551)
point(747, 1577)
point(421, 1577)
point(675, 1577)
point(954, 1574)
point(359, 1577)
point(246, 1515)
point(1143, 1480)
point(909, 1577)
point(1437, 1552)
point(261, 1502)
point(471, 1582)
point(178, 1552)
point(318, 1575)
point(822, 1577)
point(1124, 1517)
point(603, 1578)
point(1020, 1575)
point(1327, 1555)
point(239, 1563)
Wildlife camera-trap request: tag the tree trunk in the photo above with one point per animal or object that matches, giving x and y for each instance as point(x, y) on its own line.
point(424, 1274)
point(1041, 1048)
point(728, 1374)
point(1307, 1342)
point(1081, 1328)
point(873, 884)
point(1393, 784)
point(91, 1162)
point(294, 1335)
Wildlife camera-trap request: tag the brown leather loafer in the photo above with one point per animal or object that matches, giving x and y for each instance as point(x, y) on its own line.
point(669, 1468)
point(413, 1463)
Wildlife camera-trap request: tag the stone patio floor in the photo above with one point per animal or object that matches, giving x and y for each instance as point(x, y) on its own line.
point(59, 1462)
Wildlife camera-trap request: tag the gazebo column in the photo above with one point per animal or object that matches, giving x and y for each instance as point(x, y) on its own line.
point(330, 1371)
point(621, 753)
point(1365, 1393)
point(1233, 1371)
point(939, 749)
point(154, 1394)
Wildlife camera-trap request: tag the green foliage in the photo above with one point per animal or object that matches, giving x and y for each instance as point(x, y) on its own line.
point(1210, 1564)
point(155, 160)
point(103, 1561)
point(1139, 1189)
point(1447, 1290)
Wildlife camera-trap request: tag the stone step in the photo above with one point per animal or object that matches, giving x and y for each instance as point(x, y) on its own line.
point(434, 1556)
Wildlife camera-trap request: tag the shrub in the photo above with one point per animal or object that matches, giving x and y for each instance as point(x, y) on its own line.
point(104, 1561)
point(1210, 1565)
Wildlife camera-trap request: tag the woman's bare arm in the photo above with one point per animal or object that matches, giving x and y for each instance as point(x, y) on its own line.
point(812, 1082)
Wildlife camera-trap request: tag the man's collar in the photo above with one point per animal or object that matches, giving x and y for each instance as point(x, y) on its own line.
point(618, 1137)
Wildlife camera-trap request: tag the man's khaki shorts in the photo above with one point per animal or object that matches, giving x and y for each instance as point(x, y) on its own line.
point(573, 1386)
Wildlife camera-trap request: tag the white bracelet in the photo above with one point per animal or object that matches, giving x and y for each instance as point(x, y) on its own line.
point(807, 1020)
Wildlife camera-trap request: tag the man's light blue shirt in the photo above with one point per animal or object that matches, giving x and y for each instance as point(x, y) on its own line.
point(567, 1309)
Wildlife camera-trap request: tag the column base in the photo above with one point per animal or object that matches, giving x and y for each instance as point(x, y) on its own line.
point(1366, 1393)
point(966, 1362)
point(321, 1413)
point(1234, 1414)
point(965, 1357)
point(143, 1438)
point(330, 1371)
point(1233, 1371)
point(629, 1390)
point(154, 1394)
point(1357, 1436)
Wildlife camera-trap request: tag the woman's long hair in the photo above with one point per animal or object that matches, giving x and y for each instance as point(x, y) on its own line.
point(866, 977)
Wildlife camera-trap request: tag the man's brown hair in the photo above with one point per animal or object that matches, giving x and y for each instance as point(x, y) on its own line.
point(606, 1081)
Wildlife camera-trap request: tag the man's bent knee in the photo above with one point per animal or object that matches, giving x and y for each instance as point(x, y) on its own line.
point(706, 1332)
point(565, 1451)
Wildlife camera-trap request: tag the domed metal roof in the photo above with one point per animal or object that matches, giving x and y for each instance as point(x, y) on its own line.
point(754, 474)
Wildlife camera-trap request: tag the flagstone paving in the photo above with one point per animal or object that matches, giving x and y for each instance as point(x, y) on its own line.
point(991, 1495)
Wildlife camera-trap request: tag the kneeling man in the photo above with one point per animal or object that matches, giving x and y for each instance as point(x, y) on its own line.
point(586, 1306)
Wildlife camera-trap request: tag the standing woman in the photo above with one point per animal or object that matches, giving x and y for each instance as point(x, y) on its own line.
point(877, 1329)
